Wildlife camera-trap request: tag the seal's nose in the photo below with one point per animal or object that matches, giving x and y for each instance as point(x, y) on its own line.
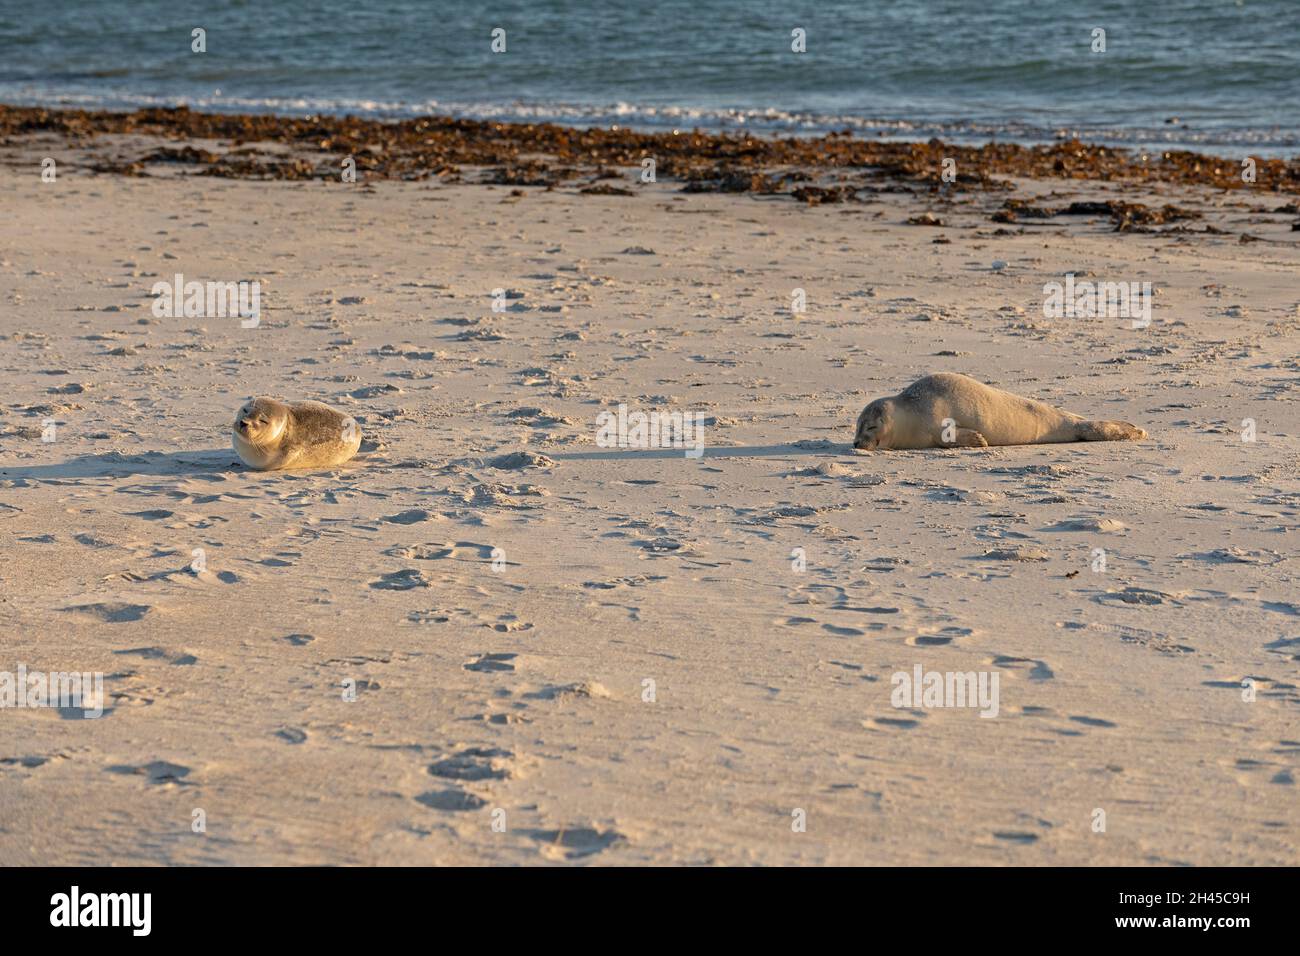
point(243, 424)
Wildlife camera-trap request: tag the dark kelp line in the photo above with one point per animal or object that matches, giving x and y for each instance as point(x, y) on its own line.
point(831, 168)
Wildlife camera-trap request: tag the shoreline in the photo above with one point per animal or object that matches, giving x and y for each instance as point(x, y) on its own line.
point(773, 123)
point(526, 154)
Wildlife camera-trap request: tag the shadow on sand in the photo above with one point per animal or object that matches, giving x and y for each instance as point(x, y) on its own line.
point(727, 451)
point(218, 461)
point(212, 462)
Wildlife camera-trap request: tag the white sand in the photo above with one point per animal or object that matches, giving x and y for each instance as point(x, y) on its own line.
point(523, 690)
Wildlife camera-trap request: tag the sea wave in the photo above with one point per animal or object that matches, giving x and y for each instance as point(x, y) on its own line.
point(652, 117)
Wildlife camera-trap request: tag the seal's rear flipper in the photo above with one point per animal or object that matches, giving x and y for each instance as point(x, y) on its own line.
point(1109, 431)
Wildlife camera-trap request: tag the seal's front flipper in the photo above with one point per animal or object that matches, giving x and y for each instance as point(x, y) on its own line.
point(970, 438)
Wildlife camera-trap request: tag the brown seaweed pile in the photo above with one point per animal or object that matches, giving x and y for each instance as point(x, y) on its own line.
point(1127, 216)
point(546, 155)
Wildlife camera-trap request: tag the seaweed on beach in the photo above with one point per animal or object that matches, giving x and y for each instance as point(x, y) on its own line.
point(815, 195)
point(1013, 210)
point(534, 173)
point(1127, 216)
point(605, 189)
point(545, 155)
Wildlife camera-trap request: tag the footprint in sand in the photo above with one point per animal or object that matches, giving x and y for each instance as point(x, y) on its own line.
point(508, 623)
point(1134, 595)
point(1092, 721)
point(174, 658)
point(895, 723)
point(492, 663)
point(413, 516)
point(631, 611)
point(454, 800)
point(1093, 525)
point(156, 514)
point(1287, 647)
point(1239, 556)
point(632, 581)
point(224, 577)
point(111, 612)
point(833, 598)
point(80, 713)
point(1250, 772)
point(503, 720)
point(404, 580)
point(359, 660)
point(941, 638)
point(1013, 554)
point(1135, 635)
point(1268, 687)
point(456, 550)
point(159, 772)
point(840, 631)
point(135, 692)
point(30, 761)
point(574, 843)
point(520, 461)
point(438, 615)
point(476, 763)
point(1038, 670)
point(590, 690)
point(662, 546)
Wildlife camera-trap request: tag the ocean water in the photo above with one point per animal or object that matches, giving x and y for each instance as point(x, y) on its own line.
point(1218, 75)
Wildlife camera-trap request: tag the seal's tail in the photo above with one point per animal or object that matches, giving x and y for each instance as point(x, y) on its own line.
point(1109, 431)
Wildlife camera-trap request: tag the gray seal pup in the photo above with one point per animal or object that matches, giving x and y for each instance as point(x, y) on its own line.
point(955, 411)
point(268, 435)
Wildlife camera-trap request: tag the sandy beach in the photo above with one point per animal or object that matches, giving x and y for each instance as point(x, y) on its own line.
point(490, 640)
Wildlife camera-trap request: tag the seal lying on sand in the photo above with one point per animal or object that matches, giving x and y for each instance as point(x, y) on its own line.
point(949, 410)
point(268, 434)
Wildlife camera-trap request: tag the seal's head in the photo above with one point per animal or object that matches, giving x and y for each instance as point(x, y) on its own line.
point(261, 422)
point(874, 425)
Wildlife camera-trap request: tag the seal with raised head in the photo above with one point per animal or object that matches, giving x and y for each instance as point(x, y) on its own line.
point(950, 410)
point(268, 434)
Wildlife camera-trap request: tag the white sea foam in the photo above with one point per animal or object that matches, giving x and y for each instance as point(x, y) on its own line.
point(646, 116)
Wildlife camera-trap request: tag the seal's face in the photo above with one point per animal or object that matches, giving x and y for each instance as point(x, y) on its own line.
point(261, 422)
point(873, 426)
